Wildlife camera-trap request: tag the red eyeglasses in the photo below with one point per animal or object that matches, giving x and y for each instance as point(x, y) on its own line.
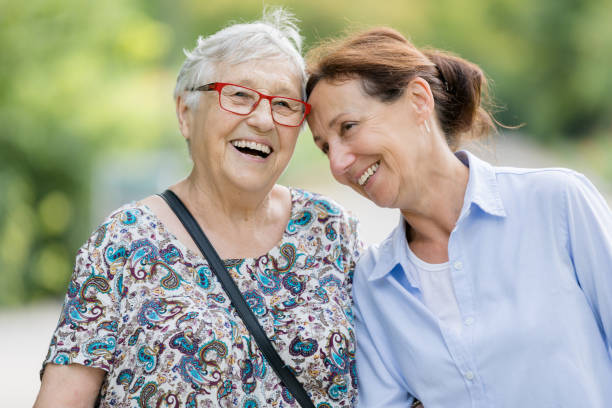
point(242, 101)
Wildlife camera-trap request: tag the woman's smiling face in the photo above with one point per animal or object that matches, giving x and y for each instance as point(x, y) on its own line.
point(374, 147)
point(244, 152)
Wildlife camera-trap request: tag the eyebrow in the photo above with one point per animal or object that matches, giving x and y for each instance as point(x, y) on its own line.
point(281, 92)
point(333, 121)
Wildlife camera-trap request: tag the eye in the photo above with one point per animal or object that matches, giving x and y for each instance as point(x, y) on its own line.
point(282, 104)
point(346, 126)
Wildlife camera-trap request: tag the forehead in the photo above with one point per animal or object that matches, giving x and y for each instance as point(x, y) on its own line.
point(270, 76)
point(332, 98)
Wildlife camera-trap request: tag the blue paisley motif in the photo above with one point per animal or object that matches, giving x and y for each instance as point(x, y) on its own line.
point(134, 337)
point(247, 376)
point(216, 347)
point(250, 403)
point(172, 280)
point(146, 394)
point(62, 359)
point(143, 251)
point(186, 317)
point(191, 400)
point(149, 357)
point(125, 378)
point(217, 297)
point(304, 348)
point(204, 275)
point(287, 397)
point(154, 312)
point(269, 283)
point(100, 234)
point(190, 369)
point(100, 283)
point(302, 220)
point(337, 359)
point(139, 382)
point(293, 302)
point(293, 283)
point(73, 289)
point(128, 217)
point(74, 313)
point(121, 290)
point(327, 207)
point(171, 254)
point(101, 347)
point(255, 302)
point(233, 264)
point(111, 326)
point(288, 251)
point(337, 390)
point(184, 343)
point(225, 389)
point(330, 232)
point(330, 280)
point(119, 254)
point(321, 295)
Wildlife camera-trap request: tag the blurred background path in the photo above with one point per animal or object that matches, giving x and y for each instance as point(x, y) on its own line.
point(26, 331)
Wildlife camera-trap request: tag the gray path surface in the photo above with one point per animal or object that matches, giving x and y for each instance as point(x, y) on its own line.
point(26, 332)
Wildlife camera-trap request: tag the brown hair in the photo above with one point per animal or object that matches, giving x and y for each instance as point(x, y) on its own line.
point(386, 62)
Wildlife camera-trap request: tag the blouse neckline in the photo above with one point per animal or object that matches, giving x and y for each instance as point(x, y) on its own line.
point(188, 252)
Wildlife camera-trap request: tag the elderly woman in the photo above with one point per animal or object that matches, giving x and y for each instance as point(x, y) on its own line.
point(145, 321)
point(495, 289)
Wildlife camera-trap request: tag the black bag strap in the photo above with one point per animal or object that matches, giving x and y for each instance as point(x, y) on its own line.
point(241, 306)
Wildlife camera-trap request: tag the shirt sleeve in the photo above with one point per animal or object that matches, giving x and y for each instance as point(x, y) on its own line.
point(377, 387)
point(589, 221)
point(87, 329)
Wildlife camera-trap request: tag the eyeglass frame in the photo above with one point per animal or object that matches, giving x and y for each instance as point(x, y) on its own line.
point(218, 86)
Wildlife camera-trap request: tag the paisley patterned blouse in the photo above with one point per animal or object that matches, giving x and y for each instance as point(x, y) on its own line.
point(146, 309)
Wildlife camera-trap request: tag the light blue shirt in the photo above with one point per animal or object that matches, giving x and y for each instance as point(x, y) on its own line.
point(531, 265)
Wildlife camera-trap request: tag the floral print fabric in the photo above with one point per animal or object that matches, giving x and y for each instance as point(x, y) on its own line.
point(150, 312)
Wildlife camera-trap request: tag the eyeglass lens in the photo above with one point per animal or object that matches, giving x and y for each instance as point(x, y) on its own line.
point(242, 100)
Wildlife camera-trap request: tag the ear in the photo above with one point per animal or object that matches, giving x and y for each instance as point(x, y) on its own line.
point(183, 114)
point(420, 98)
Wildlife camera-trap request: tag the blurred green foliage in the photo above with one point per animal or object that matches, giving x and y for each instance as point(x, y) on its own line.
point(83, 80)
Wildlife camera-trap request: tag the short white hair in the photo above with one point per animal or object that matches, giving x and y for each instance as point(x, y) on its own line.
point(275, 36)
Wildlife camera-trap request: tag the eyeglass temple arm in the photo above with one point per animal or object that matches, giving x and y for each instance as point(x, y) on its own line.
point(207, 87)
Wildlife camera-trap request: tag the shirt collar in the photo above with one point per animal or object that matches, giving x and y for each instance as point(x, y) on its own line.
point(392, 251)
point(482, 190)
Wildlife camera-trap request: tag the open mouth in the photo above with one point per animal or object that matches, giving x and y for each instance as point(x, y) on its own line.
point(252, 148)
point(368, 173)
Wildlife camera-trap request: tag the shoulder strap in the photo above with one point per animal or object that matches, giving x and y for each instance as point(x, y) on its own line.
point(241, 306)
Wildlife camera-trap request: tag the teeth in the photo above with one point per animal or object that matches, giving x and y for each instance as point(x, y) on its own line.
point(368, 173)
point(252, 145)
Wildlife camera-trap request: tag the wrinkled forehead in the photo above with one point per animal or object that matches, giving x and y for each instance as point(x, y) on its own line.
point(275, 77)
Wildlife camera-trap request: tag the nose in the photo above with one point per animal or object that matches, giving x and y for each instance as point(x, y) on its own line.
point(340, 160)
point(261, 117)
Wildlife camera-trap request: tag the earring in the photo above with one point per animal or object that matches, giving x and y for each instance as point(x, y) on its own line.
point(427, 127)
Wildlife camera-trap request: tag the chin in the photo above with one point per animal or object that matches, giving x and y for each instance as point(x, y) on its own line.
point(254, 183)
point(381, 200)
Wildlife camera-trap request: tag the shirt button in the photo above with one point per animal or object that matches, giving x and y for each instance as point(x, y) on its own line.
point(469, 321)
point(458, 265)
point(469, 375)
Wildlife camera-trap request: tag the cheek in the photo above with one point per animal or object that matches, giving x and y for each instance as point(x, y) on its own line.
point(289, 137)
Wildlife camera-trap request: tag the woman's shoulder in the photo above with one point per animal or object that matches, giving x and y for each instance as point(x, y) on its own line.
point(304, 199)
point(552, 183)
point(125, 223)
point(324, 216)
